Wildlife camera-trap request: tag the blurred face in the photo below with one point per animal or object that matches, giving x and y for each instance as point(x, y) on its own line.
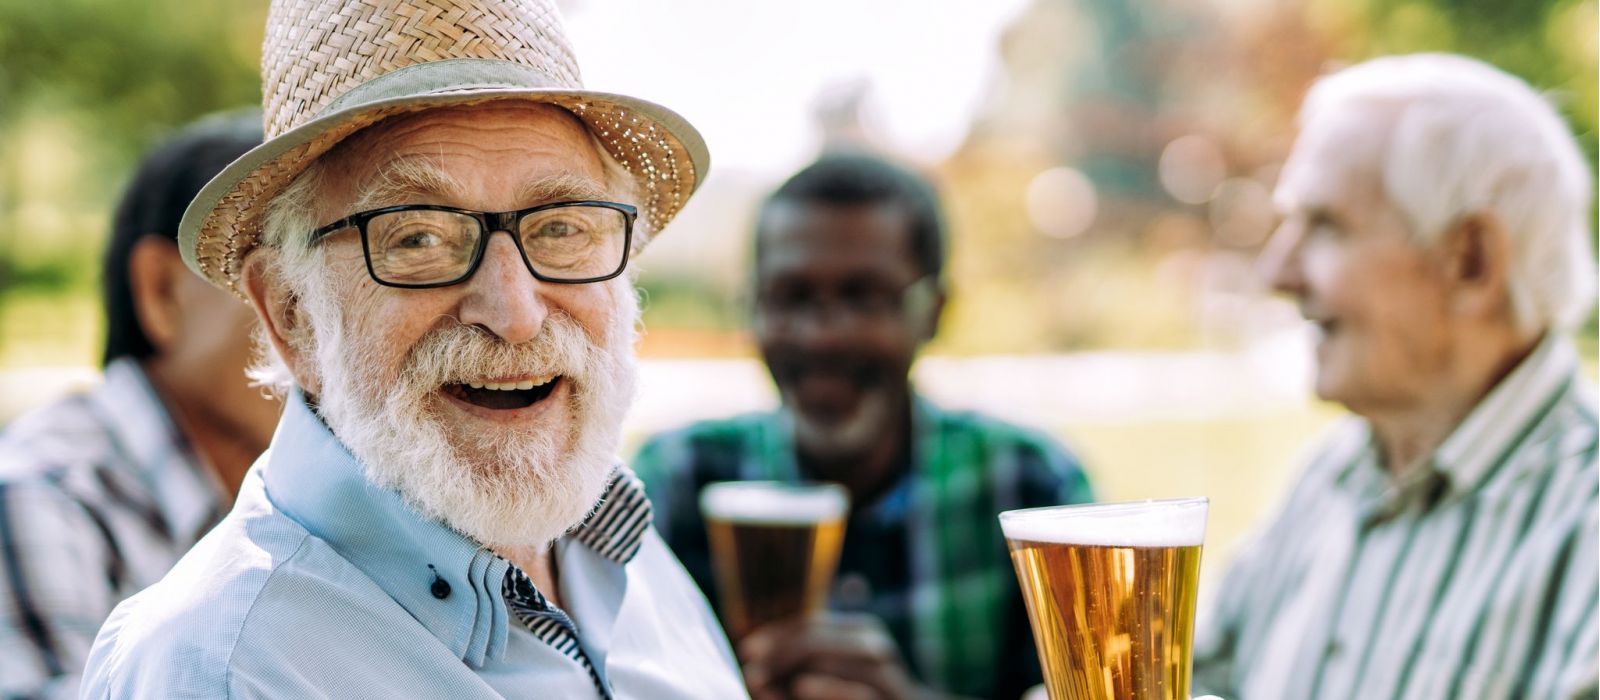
point(840, 314)
point(213, 345)
point(495, 404)
point(1346, 255)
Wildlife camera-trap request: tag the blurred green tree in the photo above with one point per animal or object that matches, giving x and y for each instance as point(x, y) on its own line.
point(116, 76)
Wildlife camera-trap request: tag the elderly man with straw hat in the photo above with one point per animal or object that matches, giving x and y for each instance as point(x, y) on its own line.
point(440, 513)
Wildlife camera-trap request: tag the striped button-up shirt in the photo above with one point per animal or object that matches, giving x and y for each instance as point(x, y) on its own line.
point(320, 584)
point(1473, 575)
point(99, 496)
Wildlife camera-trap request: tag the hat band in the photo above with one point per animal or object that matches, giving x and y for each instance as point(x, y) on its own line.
point(449, 75)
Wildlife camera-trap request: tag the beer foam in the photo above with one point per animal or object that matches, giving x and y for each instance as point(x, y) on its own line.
point(773, 503)
point(1167, 523)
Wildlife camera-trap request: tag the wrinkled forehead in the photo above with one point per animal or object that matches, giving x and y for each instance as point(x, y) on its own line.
point(1338, 155)
point(541, 150)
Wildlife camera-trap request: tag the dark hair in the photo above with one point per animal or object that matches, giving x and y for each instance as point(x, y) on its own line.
point(152, 205)
point(846, 179)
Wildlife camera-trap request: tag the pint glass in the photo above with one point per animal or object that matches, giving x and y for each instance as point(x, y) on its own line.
point(1111, 595)
point(774, 548)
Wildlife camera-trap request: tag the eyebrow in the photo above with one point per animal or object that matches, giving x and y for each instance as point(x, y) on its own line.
point(406, 179)
point(563, 187)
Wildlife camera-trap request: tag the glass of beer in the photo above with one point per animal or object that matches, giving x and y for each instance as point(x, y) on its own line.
point(1111, 595)
point(774, 548)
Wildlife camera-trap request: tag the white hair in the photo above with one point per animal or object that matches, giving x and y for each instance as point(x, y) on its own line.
point(1469, 138)
point(292, 215)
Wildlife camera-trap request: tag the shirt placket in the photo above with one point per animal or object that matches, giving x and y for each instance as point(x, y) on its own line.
point(550, 625)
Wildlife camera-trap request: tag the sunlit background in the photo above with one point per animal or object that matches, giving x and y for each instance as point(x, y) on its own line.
point(1106, 166)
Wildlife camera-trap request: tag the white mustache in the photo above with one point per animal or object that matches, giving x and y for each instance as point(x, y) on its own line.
point(461, 353)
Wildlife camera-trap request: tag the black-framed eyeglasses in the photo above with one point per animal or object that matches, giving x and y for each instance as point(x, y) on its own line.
point(420, 246)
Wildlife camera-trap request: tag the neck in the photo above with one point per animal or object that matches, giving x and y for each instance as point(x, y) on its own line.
point(540, 566)
point(865, 473)
point(1407, 433)
point(225, 452)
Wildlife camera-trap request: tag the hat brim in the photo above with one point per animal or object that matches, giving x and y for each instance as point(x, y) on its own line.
point(665, 154)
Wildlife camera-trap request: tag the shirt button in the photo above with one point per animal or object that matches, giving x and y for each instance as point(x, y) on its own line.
point(440, 588)
point(1334, 649)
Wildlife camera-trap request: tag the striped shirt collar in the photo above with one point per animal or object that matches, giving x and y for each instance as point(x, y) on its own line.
point(1464, 462)
point(142, 429)
point(315, 480)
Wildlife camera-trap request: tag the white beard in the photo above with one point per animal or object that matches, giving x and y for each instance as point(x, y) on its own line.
point(505, 488)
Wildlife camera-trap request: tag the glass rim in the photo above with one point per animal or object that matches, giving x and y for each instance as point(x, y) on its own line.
point(1114, 507)
point(838, 505)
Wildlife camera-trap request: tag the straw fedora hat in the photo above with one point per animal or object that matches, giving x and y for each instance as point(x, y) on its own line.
point(330, 68)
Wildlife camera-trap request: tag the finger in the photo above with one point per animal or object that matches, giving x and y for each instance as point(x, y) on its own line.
point(846, 640)
point(811, 686)
point(887, 677)
point(761, 642)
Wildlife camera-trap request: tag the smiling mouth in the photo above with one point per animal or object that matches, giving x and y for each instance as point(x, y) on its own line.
point(503, 396)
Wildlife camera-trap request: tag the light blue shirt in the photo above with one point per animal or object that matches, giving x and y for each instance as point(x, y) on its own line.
point(318, 584)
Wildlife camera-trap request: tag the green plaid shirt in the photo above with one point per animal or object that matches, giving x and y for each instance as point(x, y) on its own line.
point(927, 557)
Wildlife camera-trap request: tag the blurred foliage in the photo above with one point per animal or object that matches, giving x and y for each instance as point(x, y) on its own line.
point(1099, 85)
point(1550, 43)
point(85, 87)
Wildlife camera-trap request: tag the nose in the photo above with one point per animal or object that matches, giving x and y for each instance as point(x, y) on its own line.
point(824, 327)
point(1280, 263)
point(502, 296)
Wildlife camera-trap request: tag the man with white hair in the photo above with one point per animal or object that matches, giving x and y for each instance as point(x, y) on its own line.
point(441, 513)
point(1442, 543)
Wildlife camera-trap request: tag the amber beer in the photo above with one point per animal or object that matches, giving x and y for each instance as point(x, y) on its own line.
point(1111, 595)
point(774, 548)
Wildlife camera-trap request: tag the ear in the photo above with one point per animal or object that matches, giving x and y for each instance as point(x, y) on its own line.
point(924, 304)
point(1475, 257)
point(935, 314)
point(278, 308)
point(152, 264)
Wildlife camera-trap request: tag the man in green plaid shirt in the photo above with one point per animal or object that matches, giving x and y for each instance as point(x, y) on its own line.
point(849, 254)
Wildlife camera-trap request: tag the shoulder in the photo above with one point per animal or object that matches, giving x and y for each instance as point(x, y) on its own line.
point(188, 634)
point(1034, 449)
point(700, 445)
point(59, 467)
point(1329, 456)
point(1000, 433)
point(736, 429)
point(54, 441)
point(1027, 466)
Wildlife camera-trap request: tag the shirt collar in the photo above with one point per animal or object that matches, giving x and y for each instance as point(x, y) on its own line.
point(1467, 458)
point(1503, 418)
point(157, 451)
point(316, 481)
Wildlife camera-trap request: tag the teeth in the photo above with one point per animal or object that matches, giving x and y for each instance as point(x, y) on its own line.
point(523, 385)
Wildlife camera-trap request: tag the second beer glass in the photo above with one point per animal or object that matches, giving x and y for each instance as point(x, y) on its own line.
point(774, 548)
